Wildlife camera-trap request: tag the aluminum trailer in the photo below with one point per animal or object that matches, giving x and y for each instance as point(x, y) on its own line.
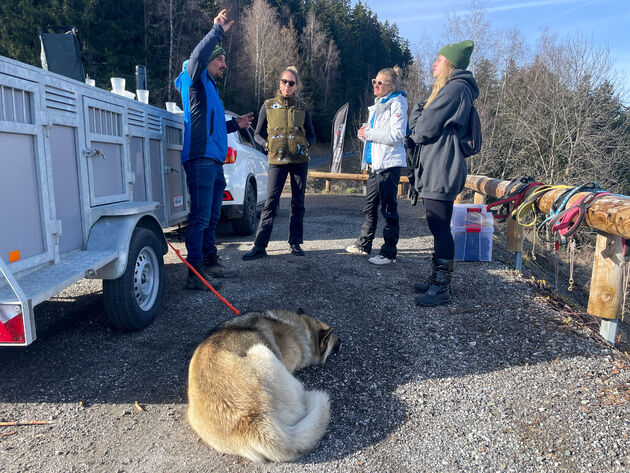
point(88, 179)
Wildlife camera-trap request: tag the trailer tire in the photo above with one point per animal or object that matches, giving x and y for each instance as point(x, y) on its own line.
point(133, 300)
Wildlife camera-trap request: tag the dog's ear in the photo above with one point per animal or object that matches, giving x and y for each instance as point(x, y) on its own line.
point(324, 336)
point(300, 311)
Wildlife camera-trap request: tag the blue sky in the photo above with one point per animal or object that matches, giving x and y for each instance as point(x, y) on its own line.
point(606, 21)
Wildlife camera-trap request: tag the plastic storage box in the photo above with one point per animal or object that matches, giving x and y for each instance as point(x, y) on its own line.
point(472, 228)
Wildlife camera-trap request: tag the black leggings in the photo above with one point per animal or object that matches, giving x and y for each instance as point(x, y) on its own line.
point(439, 213)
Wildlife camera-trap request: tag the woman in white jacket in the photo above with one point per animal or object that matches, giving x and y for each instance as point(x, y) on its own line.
point(384, 158)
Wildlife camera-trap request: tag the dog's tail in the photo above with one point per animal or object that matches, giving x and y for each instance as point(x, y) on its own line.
point(282, 442)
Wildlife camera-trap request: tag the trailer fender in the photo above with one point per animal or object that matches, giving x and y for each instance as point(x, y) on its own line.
point(113, 233)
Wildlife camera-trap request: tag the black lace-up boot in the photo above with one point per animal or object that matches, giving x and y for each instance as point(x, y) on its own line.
point(422, 286)
point(439, 290)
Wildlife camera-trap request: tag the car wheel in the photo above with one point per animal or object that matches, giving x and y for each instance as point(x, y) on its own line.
point(133, 300)
point(246, 224)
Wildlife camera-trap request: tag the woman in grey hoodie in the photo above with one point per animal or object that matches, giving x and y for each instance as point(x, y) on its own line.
point(437, 126)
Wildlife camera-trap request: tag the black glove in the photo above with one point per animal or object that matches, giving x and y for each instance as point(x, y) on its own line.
point(412, 195)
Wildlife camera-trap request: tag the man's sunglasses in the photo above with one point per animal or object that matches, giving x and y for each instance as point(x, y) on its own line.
point(285, 82)
point(378, 82)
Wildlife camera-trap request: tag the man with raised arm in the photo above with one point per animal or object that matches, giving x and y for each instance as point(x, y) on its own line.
point(205, 150)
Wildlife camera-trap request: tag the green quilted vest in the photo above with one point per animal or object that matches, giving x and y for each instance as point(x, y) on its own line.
point(286, 138)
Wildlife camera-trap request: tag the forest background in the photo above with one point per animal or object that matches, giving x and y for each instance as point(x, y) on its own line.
point(555, 112)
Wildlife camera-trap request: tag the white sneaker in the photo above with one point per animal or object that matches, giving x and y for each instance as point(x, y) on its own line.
point(355, 250)
point(381, 260)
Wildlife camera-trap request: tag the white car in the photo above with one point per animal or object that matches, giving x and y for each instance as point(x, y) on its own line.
point(245, 172)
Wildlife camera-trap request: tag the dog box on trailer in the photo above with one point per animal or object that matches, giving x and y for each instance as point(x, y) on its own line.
point(89, 179)
point(472, 228)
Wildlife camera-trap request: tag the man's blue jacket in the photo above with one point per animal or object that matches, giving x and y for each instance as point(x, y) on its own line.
point(205, 128)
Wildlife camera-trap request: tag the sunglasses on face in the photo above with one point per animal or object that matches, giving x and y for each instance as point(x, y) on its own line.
point(380, 83)
point(291, 83)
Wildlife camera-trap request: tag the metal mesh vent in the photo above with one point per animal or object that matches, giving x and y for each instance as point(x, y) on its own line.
point(104, 122)
point(15, 105)
point(173, 136)
point(60, 99)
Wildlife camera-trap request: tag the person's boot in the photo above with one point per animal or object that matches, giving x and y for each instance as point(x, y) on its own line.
point(422, 286)
point(296, 250)
point(439, 290)
point(255, 253)
point(193, 281)
point(213, 265)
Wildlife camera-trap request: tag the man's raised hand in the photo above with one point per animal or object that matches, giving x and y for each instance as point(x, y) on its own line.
point(221, 19)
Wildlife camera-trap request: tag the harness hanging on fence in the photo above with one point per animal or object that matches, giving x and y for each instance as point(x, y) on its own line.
point(515, 192)
point(559, 205)
point(529, 205)
point(567, 222)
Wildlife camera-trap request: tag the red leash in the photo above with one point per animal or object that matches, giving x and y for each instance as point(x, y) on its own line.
point(221, 298)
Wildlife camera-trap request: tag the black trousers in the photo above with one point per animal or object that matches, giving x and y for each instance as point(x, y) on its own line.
point(439, 213)
point(276, 178)
point(382, 188)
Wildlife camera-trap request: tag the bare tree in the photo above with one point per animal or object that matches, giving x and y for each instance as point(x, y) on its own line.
point(564, 110)
point(269, 48)
point(331, 67)
point(312, 40)
point(475, 27)
point(320, 55)
point(173, 29)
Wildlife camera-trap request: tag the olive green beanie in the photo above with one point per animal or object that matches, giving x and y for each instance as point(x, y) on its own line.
point(218, 50)
point(459, 53)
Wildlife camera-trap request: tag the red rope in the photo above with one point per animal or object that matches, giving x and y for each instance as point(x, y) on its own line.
point(221, 298)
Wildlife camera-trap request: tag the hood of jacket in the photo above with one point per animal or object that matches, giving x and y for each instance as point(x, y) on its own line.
point(466, 77)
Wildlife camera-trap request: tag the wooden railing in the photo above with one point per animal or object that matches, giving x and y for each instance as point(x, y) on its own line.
point(609, 215)
point(349, 177)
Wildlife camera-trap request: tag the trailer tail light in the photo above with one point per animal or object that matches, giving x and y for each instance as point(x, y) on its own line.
point(11, 330)
point(227, 196)
point(231, 156)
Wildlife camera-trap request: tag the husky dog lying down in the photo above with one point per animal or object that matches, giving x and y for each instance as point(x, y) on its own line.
point(242, 396)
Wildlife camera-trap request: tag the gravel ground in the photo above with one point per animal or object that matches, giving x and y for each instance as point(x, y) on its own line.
point(496, 381)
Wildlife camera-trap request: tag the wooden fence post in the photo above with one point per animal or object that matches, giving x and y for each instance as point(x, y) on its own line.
point(606, 294)
point(327, 186)
point(479, 198)
point(515, 242)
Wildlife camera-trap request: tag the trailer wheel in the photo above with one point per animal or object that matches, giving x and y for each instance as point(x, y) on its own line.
point(247, 223)
point(133, 300)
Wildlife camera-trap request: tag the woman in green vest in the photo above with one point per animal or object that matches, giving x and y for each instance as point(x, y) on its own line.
point(285, 129)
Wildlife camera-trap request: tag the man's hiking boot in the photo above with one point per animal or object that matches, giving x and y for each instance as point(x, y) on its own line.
point(193, 282)
point(212, 264)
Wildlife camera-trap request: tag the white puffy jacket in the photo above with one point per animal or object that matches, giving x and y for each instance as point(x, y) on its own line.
point(387, 133)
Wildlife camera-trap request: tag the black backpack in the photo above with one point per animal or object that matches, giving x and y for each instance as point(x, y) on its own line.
point(471, 141)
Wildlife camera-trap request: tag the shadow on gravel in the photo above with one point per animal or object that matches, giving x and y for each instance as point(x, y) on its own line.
point(389, 343)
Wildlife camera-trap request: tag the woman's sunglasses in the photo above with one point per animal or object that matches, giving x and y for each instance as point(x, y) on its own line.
point(285, 82)
point(380, 83)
